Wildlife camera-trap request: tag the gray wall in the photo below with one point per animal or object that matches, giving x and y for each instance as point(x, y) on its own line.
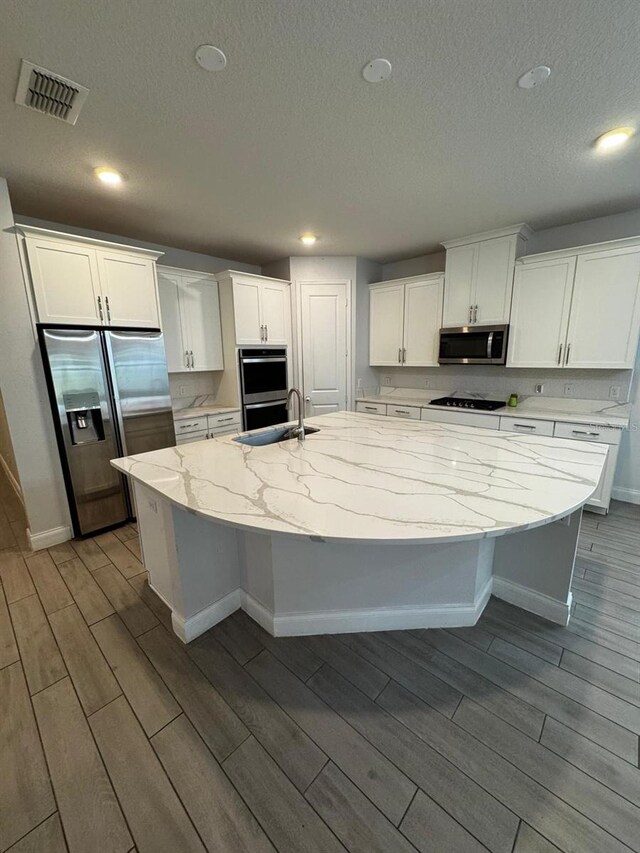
point(413, 266)
point(24, 391)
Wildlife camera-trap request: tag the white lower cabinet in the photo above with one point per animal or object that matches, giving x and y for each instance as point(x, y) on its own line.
point(475, 419)
point(527, 426)
point(206, 426)
point(611, 436)
point(411, 412)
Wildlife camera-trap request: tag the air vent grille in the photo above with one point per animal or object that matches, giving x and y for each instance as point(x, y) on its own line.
point(49, 93)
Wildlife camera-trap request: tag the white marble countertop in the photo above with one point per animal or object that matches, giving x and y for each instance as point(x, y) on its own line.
point(367, 478)
point(201, 411)
point(597, 412)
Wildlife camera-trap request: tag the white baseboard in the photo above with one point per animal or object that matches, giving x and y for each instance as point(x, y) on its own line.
point(189, 629)
point(630, 496)
point(534, 602)
point(15, 485)
point(374, 619)
point(49, 538)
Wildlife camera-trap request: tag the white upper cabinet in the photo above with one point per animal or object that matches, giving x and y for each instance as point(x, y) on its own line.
point(605, 310)
point(540, 313)
point(386, 324)
point(65, 281)
point(261, 308)
point(577, 308)
point(129, 289)
point(404, 321)
point(190, 320)
point(78, 281)
point(479, 277)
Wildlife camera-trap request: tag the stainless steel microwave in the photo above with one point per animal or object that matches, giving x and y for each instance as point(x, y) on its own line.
point(473, 345)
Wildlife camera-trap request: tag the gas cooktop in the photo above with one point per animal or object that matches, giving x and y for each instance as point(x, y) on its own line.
point(468, 403)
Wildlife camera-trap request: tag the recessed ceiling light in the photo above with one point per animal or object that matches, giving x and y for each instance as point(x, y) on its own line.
point(210, 58)
point(377, 70)
point(613, 139)
point(308, 239)
point(108, 176)
point(534, 77)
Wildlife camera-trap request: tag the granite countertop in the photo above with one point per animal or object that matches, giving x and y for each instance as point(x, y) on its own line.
point(367, 478)
point(200, 411)
point(597, 412)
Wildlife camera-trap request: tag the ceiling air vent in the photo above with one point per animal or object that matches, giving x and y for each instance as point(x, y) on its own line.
point(49, 93)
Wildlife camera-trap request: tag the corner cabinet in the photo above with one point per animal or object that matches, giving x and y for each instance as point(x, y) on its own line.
point(190, 320)
point(79, 281)
point(404, 321)
point(577, 308)
point(478, 277)
point(260, 308)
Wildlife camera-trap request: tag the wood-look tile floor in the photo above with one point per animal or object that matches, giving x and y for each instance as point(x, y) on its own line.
point(515, 735)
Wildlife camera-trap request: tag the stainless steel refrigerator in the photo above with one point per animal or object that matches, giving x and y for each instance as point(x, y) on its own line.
point(109, 392)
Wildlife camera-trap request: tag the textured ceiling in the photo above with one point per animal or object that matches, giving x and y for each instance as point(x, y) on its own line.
point(290, 138)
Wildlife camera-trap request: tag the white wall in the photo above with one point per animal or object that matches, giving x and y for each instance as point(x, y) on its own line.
point(24, 392)
point(171, 257)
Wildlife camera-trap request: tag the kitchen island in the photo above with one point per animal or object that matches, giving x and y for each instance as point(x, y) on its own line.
point(369, 524)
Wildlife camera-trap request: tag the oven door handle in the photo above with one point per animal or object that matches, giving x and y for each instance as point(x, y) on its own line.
point(262, 360)
point(265, 405)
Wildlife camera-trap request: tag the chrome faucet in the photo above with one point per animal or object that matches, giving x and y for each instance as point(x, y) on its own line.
point(299, 430)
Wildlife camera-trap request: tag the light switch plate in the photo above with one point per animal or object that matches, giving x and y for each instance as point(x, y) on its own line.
point(614, 392)
point(386, 380)
point(539, 389)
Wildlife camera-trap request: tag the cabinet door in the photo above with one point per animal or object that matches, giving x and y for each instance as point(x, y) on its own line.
point(386, 321)
point(200, 307)
point(65, 282)
point(540, 313)
point(458, 280)
point(171, 323)
point(128, 285)
point(275, 312)
point(494, 280)
point(605, 310)
point(422, 321)
point(246, 310)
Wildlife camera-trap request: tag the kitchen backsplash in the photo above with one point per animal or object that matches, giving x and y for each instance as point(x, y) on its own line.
point(186, 387)
point(584, 384)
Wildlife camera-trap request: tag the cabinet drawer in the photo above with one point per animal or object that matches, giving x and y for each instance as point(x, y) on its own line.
point(186, 438)
point(527, 426)
point(227, 429)
point(371, 408)
point(588, 432)
point(190, 425)
point(475, 419)
point(226, 420)
point(412, 412)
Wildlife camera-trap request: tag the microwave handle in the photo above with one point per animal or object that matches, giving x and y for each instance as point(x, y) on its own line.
point(489, 344)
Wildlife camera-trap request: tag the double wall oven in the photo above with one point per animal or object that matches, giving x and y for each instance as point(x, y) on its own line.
point(263, 386)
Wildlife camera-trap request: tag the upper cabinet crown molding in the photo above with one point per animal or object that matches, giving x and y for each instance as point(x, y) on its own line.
point(78, 281)
point(584, 249)
point(48, 233)
point(521, 230)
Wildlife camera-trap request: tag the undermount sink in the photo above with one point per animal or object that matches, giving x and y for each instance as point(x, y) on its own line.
point(273, 436)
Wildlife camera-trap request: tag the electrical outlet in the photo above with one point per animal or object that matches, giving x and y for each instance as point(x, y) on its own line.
point(569, 390)
point(614, 392)
point(359, 383)
point(427, 383)
point(182, 390)
point(386, 380)
point(540, 389)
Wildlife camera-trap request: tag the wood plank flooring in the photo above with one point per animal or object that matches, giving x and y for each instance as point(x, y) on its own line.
point(514, 736)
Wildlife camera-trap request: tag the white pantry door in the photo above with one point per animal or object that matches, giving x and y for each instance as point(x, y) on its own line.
point(324, 346)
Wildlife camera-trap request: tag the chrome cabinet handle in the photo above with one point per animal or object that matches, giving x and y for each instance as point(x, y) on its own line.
point(100, 310)
point(584, 432)
point(470, 314)
point(523, 426)
point(262, 338)
point(193, 361)
point(566, 361)
point(186, 358)
point(402, 412)
point(399, 355)
point(106, 300)
point(404, 354)
point(224, 420)
point(560, 354)
point(266, 333)
point(371, 408)
point(475, 313)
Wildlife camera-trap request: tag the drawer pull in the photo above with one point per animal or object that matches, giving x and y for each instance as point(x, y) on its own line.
point(224, 420)
point(371, 408)
point(584, 432)
point(402, 412)
point(524, 426)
